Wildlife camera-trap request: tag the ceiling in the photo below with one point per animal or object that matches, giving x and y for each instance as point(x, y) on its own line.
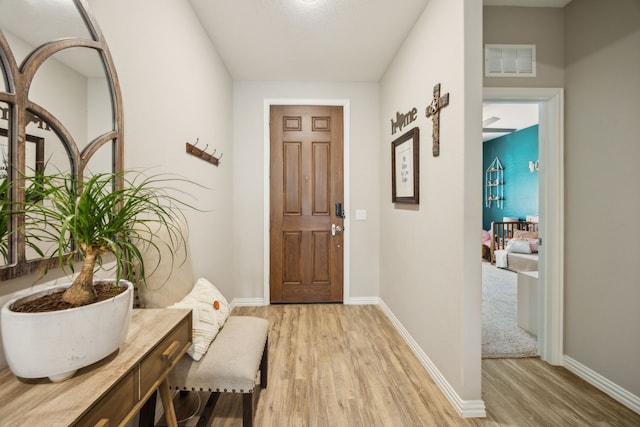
point(41, 21)
point(314, 40)
point(504, 118)
point(308, 40)
point(330, 40)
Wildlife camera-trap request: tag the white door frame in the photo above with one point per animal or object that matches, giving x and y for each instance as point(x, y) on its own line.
point(551, 210)
point(346, 112)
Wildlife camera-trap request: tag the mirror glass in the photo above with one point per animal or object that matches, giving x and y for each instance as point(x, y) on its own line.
point(45, 153)
point(4, 181)
point(100, 162)
point(3, 87)
point(29, 24)
point(100, 121)
point(72, 86)
point(72, 100)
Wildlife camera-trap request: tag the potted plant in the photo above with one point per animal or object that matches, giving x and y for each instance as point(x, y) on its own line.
point(82, 220)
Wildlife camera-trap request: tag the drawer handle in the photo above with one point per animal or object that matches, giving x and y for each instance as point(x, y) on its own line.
point(103, 423)
point(171, 350)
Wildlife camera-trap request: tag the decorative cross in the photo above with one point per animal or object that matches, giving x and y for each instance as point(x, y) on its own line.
point(433, 111)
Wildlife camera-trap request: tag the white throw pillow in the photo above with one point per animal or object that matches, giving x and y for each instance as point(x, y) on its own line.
point(210, 311)
point(518, 246)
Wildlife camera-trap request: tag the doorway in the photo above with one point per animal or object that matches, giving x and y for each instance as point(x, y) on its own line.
point(306, 244)
point(551, 208)
point(510, 155)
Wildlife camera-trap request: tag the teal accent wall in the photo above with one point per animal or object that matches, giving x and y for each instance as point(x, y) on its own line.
point(520, 185)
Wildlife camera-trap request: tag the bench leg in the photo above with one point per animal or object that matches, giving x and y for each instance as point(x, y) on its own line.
point(264, 365)
point(247, 409)
point(207, 412)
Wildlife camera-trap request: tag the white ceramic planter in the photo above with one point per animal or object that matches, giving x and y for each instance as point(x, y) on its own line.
point(56, 344)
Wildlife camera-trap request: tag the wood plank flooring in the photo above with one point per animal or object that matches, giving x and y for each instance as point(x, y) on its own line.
point(342, 365)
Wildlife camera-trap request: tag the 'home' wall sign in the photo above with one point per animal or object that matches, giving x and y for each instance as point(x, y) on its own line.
point(403, 120)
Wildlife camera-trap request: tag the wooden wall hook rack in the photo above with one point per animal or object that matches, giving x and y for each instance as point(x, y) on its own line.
point(195, 151)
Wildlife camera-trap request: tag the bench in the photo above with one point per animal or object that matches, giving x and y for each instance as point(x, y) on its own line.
point(239, 351)
point(235, 356)
point(231, 365)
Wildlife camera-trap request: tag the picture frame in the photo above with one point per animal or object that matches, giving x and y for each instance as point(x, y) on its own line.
point(405, 168)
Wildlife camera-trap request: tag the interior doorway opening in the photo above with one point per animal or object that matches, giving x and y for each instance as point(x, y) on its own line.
point(510, 315)
point(551, 207)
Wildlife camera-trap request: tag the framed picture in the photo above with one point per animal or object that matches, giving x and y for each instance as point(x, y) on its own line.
point(405, 172)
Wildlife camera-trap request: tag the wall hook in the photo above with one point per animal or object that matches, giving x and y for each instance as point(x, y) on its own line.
point(194, 151)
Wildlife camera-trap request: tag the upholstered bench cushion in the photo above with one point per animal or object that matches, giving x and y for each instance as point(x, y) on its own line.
point(232, 362)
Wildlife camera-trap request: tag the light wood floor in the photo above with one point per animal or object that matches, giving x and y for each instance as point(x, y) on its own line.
point(337, 365)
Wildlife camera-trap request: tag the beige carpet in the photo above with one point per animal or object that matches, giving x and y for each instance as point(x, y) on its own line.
point(501, 336)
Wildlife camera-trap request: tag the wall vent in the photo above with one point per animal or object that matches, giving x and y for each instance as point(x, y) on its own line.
point(509, 60)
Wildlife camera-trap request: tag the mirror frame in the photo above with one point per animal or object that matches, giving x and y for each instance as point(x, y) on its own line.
point(18, 79)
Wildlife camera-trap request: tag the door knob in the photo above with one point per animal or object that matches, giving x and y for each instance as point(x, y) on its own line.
point(335, 229)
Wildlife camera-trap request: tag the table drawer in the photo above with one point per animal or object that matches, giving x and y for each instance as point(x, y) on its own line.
point(115, 406)
point(164, 355)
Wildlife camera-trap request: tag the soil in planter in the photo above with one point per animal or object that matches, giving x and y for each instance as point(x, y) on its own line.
point(53, 302)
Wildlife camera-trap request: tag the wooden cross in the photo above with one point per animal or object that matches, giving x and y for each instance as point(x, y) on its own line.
point(433, 111)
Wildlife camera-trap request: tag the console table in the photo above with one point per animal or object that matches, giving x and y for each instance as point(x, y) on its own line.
point(111, 391)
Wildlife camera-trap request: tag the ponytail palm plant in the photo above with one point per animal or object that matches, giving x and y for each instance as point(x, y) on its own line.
point(88, 218)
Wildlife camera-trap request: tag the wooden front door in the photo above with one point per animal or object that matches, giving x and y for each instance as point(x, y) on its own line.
point(306, 241)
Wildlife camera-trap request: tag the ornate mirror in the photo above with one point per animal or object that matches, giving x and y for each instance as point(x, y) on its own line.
point(60, 110)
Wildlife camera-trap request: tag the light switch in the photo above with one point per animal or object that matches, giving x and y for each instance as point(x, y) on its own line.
point(361, 215)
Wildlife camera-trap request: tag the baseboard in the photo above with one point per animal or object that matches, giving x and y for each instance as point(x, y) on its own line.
point(362, 301)
point(466, 408)
point(246, 302)
point(618, 393)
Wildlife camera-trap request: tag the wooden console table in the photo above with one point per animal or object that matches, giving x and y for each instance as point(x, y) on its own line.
point(109, 392)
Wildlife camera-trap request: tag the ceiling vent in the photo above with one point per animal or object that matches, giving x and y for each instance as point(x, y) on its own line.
point(509, 60)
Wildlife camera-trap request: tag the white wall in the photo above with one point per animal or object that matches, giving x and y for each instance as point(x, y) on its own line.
point(175, 89)
point(602, 146)
point(249, 178)
point(430, 274)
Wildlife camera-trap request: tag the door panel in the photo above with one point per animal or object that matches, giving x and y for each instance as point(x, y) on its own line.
point(292, 249)
point(321, 246)
point(306, 182)
point(321, 172)
point(292, 186)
